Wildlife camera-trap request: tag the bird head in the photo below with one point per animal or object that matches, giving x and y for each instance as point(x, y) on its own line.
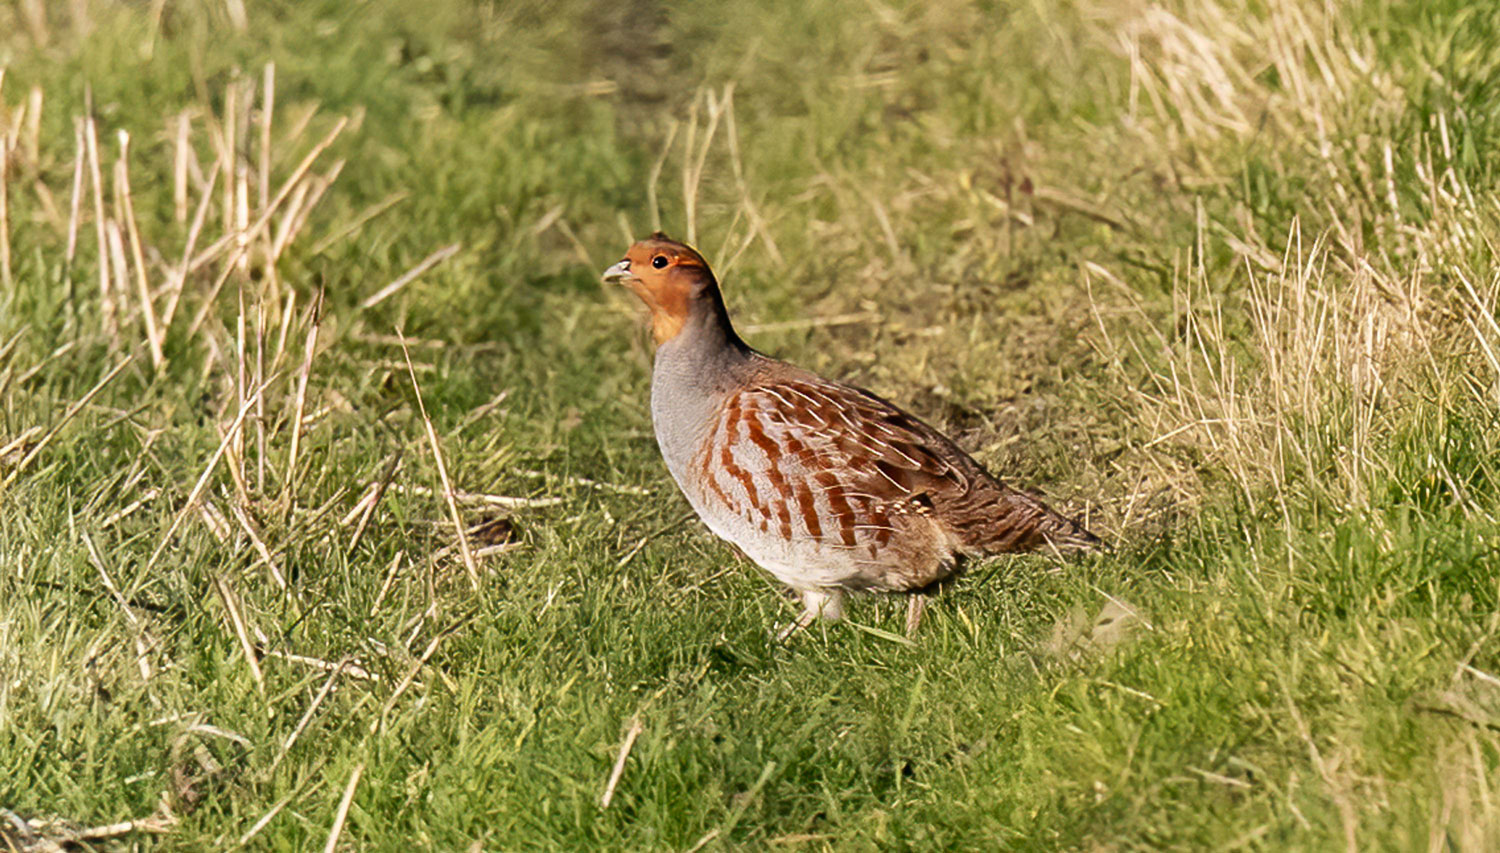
point(672, 279)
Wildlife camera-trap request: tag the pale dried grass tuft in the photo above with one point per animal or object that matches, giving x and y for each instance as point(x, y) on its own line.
point(1344, 331)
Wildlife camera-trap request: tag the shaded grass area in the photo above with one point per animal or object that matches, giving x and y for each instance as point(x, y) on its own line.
point(1219, 278)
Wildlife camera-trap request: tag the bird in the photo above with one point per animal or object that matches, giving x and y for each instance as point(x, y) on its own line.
point(829, 487)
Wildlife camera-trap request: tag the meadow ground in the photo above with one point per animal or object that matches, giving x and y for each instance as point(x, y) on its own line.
point(1219, 276)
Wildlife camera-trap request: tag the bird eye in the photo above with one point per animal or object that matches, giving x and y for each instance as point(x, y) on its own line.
point(660, 261)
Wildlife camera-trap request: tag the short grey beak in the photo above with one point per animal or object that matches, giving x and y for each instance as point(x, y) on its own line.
point(618, 273)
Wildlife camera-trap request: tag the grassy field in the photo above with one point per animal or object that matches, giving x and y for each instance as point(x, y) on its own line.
point(1218, 276)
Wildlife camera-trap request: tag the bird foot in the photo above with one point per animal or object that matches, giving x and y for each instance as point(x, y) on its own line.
point(802, 621)
point(815, 605)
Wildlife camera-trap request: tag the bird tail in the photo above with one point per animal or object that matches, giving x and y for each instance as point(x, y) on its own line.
point(1026, 523)
point(1069, 536)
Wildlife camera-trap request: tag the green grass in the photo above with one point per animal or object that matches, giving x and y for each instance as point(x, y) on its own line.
point(1220, 276)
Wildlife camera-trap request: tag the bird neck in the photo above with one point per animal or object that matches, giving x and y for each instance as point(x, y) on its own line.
point(695, 321)
point(704, 353)
point(695, 370)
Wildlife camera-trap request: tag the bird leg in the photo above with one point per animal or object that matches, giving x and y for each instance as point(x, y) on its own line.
point(914, 607)
point(802, 621)
point(816, 604)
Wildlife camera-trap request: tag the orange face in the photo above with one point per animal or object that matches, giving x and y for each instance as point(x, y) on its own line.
point(667, 276)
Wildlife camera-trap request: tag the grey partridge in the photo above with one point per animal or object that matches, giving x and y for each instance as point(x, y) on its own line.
point(826, 486)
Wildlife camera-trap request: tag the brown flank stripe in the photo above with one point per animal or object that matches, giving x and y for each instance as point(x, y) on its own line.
point(809, 510)
point(838, 505)
point(726, 456)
